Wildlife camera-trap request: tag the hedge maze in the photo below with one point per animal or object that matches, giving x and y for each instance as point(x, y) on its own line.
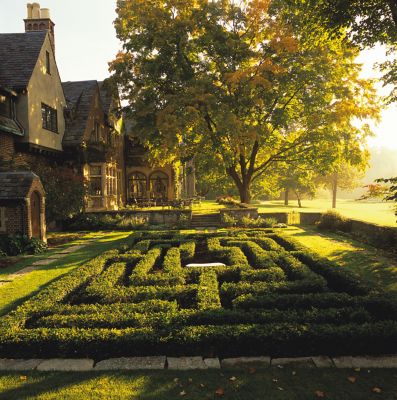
point(272, 297)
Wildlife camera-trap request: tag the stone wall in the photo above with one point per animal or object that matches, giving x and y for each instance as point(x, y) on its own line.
point(152, 217)
point(309, 218)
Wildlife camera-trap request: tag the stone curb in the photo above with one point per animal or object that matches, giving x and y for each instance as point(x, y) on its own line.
point(195, 363)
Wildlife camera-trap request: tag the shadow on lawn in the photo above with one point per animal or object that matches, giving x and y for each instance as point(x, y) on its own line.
point(377, 267)
point(76, 259)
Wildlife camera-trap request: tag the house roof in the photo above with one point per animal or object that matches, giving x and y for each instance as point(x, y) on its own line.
point(78, 97)
point(19, 53)
point(16, 185)
point(106, 96)
point(10, 126)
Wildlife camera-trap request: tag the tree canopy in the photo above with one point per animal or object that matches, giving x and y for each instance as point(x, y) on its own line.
point(239, 81)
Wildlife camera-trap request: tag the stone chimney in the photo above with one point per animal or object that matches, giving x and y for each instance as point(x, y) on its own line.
point(39, 19)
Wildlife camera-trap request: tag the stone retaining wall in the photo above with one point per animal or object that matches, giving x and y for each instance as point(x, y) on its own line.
point(152, 217)
point(195, 363)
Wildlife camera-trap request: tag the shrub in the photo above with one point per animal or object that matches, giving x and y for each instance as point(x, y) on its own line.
point(140, 302)
point(13, 245)
point(248, 222)
point(227, 200)
point(229, 221)
point(208, 293)
point(333, 221)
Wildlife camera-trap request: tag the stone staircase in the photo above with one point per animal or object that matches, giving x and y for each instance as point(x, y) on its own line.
point(212, 220)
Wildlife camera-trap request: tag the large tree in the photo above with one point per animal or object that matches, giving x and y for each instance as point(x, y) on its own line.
point(230, 77)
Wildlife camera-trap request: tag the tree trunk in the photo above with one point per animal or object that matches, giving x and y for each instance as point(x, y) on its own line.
point(245, 193)
point(286, 197)
point(242, 185)
point(334, 189)
point(299, 199)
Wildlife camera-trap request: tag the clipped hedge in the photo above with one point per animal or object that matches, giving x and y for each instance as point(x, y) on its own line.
point(273, 297)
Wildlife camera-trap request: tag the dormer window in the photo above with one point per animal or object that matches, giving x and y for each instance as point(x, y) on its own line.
point(47, 63)
point(96, 133)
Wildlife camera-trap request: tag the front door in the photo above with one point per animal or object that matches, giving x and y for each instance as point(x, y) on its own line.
point(35, 215)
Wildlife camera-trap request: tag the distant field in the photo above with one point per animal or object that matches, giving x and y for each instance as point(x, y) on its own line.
point(380, 213)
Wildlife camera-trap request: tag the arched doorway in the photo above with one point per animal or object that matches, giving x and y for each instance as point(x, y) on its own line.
point(137, 185)
point(35, 215)
point(159, 185)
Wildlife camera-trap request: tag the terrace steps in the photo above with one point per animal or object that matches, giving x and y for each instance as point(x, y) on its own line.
point(206, 220)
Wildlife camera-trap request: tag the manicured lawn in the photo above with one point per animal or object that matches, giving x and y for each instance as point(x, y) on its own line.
point(380, 212)
point(17, 291)
point(378, 268)
point(270, 384)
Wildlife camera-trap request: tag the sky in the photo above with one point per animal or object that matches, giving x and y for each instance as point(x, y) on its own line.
point(85, 42)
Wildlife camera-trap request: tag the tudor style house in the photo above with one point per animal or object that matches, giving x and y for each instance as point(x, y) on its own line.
point(94, 142)
point(72, 125)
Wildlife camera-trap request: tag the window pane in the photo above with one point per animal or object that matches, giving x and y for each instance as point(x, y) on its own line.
point(95, 170)
point(95, 186)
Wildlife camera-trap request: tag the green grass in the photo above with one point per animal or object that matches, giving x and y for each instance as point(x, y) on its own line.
point(14, 293)
point(378, 268)
point(207, 207)
point(379, 213)
point(269, 384)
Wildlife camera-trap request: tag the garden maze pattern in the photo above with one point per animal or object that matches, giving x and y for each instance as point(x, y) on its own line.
point(273, 297)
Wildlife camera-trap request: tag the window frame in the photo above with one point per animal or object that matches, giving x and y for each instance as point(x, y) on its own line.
point(97, 177)
point(47, 62)
point(49, 118)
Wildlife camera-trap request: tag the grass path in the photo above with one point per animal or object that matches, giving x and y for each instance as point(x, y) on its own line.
point(376, 267)
point(269, 384)
point(14, 293)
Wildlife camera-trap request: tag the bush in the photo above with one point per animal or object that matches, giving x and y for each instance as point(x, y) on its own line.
point(140, 301)
point(248, 222)
point(14, 245)
point(208, 293)
point(333, 221)
point(88, 222)
point(227, 200)
point(228, 221)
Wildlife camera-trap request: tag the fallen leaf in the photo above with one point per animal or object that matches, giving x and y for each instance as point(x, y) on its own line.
point(220, 392)
point(190, 380)
point(293, 372)
point(357, 369)
point(183, 393)
point(377, 390)
point(320, 394)
point(202, 385)
point(176, 380)
point(233, 378)
point(275, 380)
point(280, 388)
point(352, 379)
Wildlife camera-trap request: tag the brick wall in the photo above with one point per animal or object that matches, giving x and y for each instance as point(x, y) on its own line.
point(16, 219)
point(6, 146)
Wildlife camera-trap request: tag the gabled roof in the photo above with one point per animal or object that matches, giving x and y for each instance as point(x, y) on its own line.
point(19, 53)
point(106, 96)
point(16, 185)
point(78, 97)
